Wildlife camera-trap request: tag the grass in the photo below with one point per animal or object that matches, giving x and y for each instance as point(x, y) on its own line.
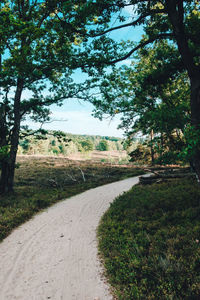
point(149, 241)
point(40, 182)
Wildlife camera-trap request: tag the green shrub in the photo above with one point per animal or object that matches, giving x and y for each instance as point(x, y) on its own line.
point(103, 145)
point(86, 145)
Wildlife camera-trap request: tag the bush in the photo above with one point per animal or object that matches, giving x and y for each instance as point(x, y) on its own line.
point(141, 154)
point(103, 145)
point(86, 146)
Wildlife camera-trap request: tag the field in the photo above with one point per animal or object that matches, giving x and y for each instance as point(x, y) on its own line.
point(41, 181)
point(114, 156)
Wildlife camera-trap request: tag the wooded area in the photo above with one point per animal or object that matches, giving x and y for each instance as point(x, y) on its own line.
point(149, 239)
point(43, 42)
point(66, 144)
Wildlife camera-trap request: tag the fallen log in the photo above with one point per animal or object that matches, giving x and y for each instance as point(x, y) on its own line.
point(159, 177)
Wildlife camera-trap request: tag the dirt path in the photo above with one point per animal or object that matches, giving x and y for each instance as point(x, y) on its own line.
point(54, 255)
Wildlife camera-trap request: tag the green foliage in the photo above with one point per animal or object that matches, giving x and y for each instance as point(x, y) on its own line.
point(53, 143)
point(25, 144)
point(4, 153)
point(192, 137)
point(61, 148)
point(169, 157)
point(38, 51)
point(140, 154)
point(150, 104)
point(103, 145)
point(65, 143)
point(155, 93)
point(87, 145)
point(150, 242)
point(55, 151)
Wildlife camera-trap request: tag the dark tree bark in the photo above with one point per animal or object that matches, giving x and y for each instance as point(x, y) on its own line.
point(175, 12)
point(152, 148)
point(195, 118)
point(8, 165)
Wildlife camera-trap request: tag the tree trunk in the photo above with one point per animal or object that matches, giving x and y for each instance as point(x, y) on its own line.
point(195, 118)
point(7, 176)
point(152, 147)
point(175, 11)
point(8, 165)
point(161, 146)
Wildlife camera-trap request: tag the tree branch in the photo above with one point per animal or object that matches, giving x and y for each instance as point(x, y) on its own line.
point(176, 19)
point(134, 23)
point(141, 45)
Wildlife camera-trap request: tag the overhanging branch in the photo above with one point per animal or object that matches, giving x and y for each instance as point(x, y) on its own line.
point(134, 23)
point(141, 45)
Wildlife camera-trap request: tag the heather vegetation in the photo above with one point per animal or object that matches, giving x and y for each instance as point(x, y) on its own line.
point(43, 181)
point(150, 242)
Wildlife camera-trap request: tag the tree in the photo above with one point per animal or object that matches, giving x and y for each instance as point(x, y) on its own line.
point(175, 20)
point(86, 145)
point(39, 42)
point(154, 105)
point(103, 145)
point(140, 154)
point(25, 145)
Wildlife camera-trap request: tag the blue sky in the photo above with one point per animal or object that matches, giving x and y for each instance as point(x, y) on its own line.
point(76, 117)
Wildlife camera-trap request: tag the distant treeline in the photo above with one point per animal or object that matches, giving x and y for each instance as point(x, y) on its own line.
point(55, 143)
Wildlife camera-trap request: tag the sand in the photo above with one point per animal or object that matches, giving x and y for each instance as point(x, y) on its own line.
point(54, 255)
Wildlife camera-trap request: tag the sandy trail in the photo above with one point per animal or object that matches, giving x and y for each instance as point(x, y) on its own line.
point(54, 255)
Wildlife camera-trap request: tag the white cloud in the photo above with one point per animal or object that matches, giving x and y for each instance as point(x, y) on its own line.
point(129, 9)
point(125, 62)
point(81, 122)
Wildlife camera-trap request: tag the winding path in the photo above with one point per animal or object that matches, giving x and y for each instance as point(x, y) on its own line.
point(54, 255)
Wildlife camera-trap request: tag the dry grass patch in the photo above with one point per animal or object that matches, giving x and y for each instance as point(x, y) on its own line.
point(41, 181)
